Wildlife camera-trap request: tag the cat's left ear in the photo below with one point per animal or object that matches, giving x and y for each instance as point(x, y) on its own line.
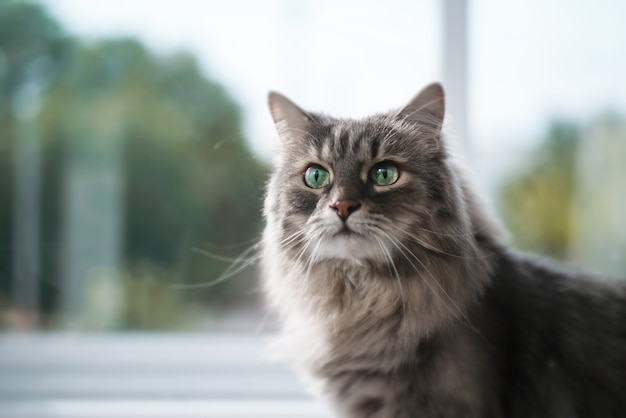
point(427, 108)
point(288, 117)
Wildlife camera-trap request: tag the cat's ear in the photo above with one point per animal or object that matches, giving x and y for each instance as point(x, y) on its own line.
point(427, 108)
point(287, 116)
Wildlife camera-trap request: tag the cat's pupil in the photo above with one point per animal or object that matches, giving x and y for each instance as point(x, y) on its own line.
point(316, 177)
point(384, 174)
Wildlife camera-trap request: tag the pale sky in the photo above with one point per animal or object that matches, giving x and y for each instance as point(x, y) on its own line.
point(528, 61)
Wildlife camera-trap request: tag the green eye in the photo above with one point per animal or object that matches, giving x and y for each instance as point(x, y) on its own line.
point(316, 177)
point(384, 174)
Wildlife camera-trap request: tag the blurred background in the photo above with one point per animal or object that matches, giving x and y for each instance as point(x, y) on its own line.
point(135, 139)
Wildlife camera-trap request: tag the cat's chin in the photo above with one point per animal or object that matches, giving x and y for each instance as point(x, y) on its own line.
point(348, 246)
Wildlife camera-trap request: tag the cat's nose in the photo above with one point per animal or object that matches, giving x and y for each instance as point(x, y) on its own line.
point(345, 208)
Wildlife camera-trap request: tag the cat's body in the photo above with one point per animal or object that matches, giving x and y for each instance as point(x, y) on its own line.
point(397, 295)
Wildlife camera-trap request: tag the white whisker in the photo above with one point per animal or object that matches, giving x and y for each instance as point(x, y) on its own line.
point(392, 265)
point(311, 261)
point(223, 276)
point(430, 247)
point(214, 256)
point(287, 241)
point(237, 265)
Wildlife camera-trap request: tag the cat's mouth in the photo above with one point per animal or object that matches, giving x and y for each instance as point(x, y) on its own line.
point(344, 243)
point(346, 232)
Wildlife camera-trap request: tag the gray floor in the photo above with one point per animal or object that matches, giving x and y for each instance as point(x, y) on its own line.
point(146, 375)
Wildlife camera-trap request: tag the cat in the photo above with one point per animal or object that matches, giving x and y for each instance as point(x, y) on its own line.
point(397, 294)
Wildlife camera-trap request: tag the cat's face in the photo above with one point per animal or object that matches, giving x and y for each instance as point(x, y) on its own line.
point(358, 190)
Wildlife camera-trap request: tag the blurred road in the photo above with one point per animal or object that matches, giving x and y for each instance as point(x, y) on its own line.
point(173, 375)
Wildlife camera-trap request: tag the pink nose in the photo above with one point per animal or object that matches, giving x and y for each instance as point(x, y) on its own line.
point(345, 208)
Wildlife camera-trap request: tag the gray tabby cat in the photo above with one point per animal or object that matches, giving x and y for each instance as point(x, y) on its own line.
point(397, 294)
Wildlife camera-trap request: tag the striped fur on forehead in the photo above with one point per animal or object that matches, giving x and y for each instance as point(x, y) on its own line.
point(342, 142)
point(368, 139)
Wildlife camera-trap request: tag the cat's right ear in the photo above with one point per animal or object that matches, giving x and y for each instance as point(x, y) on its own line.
point(288, 117)
point(426, 109)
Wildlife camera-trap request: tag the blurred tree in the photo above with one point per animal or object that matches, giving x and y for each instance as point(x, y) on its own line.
point(33, 51)
point(189, 179)
point(536, 201)
point(599, 217)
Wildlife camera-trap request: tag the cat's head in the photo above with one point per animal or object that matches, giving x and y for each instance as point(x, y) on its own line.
point(365, 190)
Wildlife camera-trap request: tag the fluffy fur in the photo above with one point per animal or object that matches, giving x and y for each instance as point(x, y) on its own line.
point(412, 305)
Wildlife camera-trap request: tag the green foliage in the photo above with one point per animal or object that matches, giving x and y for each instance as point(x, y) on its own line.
point(33, 50)
point(189, 178)
point(536, 202)
point(32, 47)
